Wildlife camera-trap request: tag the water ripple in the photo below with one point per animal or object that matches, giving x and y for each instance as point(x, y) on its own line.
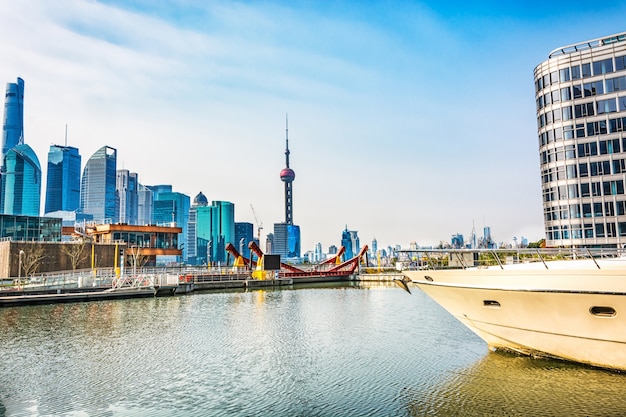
point(362, 351)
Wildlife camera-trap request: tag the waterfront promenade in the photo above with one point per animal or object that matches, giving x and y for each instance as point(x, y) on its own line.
point(89, 285)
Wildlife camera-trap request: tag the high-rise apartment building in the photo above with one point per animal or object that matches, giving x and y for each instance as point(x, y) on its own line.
point(97, 190)
point(580, 93)
point(13, 124)
point(63, 182)
point(21, 182)
point(127, 191)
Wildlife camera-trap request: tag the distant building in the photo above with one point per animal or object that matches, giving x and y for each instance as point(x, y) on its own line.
point(350, 241)
point(210, 229)
point(332, 250)
point(127, 190)
point(457, 241)
point(269, 243)
point(145, 198)
point(13, 123)
point(318, 254)
point(63, 179)
point(286, 240)
point(171, 208)
point(581, 125)
point(244, 234)
point(21, 182)
point(97, 190)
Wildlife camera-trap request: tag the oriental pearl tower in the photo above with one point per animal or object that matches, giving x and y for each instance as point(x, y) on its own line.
point(287, 175)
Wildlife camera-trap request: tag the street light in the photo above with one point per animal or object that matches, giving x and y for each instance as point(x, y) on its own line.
point(19, 267)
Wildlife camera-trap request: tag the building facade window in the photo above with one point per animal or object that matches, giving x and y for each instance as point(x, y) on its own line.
point(581, 121)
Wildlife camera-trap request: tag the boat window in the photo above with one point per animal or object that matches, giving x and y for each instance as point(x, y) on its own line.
point(602, 311)
point(491, 304)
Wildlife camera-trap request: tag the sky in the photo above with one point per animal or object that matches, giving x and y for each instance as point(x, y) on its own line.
point(409, 121)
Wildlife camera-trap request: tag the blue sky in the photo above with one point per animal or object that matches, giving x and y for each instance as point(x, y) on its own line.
point(408, 121)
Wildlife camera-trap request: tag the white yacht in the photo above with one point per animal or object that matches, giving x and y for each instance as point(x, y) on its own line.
point(571, 309)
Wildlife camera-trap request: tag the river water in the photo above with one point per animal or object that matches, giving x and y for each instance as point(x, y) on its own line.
point(348, 350)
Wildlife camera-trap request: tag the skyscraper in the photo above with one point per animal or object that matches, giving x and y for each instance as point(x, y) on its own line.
point(21, 182)
point(127, 192)
point(287, 235)
point(145, 198)
point(581, 121)
point(63, 182)
point(97, 189)
point(171, 208)
point(13, 125)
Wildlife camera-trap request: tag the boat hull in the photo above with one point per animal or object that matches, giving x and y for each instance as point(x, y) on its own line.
point(572, 314)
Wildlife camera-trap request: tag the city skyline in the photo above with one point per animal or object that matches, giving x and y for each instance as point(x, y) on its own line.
point(408, 123)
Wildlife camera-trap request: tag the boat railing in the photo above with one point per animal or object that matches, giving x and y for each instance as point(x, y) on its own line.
point(472, 258)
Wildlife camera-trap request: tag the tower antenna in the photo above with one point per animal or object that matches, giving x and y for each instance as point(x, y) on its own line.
point(66, 135)
point(287, 175)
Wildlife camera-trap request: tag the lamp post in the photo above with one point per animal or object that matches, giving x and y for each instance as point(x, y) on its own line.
point(19, 267)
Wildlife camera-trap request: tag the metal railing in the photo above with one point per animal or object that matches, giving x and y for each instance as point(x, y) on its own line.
point(465, 258)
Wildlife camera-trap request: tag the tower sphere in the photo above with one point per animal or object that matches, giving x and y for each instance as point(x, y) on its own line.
point(287, 175)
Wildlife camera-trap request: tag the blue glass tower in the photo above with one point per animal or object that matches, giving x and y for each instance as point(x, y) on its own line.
point(215, 227)
point(63, 183)
point(171, 207)
point(97, 187)
point(21, 182)
point(13, 124)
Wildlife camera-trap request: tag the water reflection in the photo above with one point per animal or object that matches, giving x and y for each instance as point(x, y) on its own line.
point(364, 350)
point(505, 384)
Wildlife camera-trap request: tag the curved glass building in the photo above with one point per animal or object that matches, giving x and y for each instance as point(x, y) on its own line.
point(580, 93)
point(97, 187)
point(21, 182)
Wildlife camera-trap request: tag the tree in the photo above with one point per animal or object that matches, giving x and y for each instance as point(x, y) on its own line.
point(75, 251)
point(31, 257)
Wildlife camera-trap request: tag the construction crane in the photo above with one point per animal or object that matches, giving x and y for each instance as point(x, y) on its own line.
point(259, 224)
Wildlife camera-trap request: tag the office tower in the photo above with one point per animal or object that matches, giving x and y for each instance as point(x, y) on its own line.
point(127, 191)
point(350, 241)
point(144, 205)
point(287, 235)
point(63, 182)
point(13, 124)
point(199, 200)
point(581, 117)
point(21, 182)
point(97, 190)
point(244, 234)
point(215, 228)
point(171, 208)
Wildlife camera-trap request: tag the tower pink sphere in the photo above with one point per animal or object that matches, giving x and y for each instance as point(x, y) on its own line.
point(287, 175)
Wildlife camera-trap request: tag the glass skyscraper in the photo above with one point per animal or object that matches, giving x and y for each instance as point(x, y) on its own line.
point(63, 182)
point(97, 189)
point(171, 208)
point(13, 124)
point(127, 196)
point(21, 182)
point(145, 198)
point(213, 228)
point(580, 94)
